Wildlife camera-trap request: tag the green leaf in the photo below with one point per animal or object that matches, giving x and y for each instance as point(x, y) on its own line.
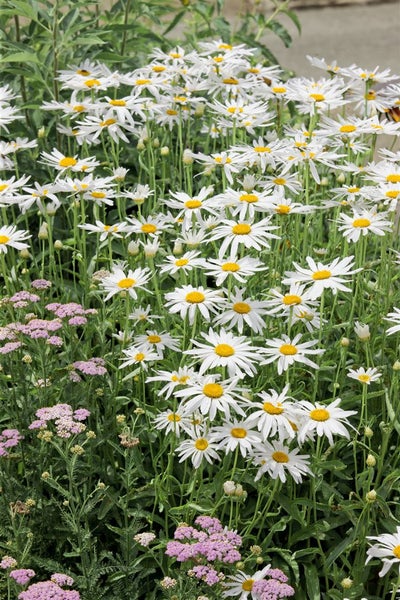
point(293, 17)
point(21, 57)
point(174, 22)
point(23, 9)
point(312, 582)
point(340, 548)
point(281, 32)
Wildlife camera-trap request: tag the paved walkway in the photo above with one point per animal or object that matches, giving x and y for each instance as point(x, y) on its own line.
point(367, 35)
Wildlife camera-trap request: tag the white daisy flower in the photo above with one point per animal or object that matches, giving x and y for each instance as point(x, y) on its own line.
point(118, 281)
point(238, 268)
point(143, 315)
point(62, 162)
point(11, 237)
point(321, 277)
point(173, 379)
point(387, 549)
point(157, 341)
point(325, 420)
point(276, 460)
point(395, 318)
point(287, 352)
point(138, 356)
point(275, 415)
point(250, 235)
point(236, 434)
point(364, 375)
point(104, 230)
point(198, 447)
point(362, 223)
point(240, 311)
point(189, 206)
point(226, 350)
point(173, 422)
point(151, 225)
point(185, 263)
point(189, 300)
point(208, 395)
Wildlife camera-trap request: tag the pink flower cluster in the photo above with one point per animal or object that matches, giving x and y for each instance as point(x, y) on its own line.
point(67, 421)
point(8, 439)
point(8, 562)
point(41, 284)
point(34, 329)
point(274, 588)
point(22, 576)
point(23, 298)
point(74, 312)
point(211, 542)
point(93, 366)
point(51, 590)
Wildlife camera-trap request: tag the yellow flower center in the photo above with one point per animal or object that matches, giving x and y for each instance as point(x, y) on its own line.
point(353, 190)
point(247, 585)
point(224, 350)
point(290, 299)
point(279, 181)
point(261, 149)
point(148, 228)
point(253, 70)
point(230, 266)
point(218, 59)
point(4, 239)
point(271, 409)
point(224, 46)
point(153, 339)
point(98, 194)
point(242, 308)
point(92, 82)
point(195, 297)
point(279, 90)
point(3, 187)
point(158, 68)
point(282, 209)
point(364, 378)
point(218, 160)
point(67, 161)
point(107, 122)
point(175, 55)
point(371, 95)
point(230, 81)
point(323, 274)
point(361, 223)
point(201, 444)
point(213, 390)
point(171, 112)
point(117, 102)
point(393, 178)
point(174, 418)
point(181, 262)
point(83, 72)
point(140, 356)
point(280, 457)
point(319, 414)
point(347, 128)
point(317, 97)
point(238, 432)
point(193, 203)
point(142, 81)
point(249, 198)
point(78, 108)
point(392, 193)
point(241, 229)
point(396, 551)
point(288, 349)
point(180, 99)
point(126, 283)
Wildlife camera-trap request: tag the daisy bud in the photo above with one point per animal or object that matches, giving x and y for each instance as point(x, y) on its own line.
point(133, 248)
point(164, 151)
point(324, 182)
point(41, 133)
point(368, 432)
point(362, 331)
point(345, 342)
point(156, 143)
point(45, 475)
point(58, 245)
point(259, 560)
point(371, 460)
point(396, 365)
point(27, 359)
point(371, 496)
point(101, 485)
point(199, 112)
point(178, 248)
point(256, 550)
point(346, 583)
point(239, 491)
point(187, 157)
point(140, 145)
point(24, 253)
point(341, 178)
point(240, 565)
point(43, 232)
point(229, 488)
point(120, 173)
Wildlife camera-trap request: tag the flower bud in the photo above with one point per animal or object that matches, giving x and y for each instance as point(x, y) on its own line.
point(371, 461)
